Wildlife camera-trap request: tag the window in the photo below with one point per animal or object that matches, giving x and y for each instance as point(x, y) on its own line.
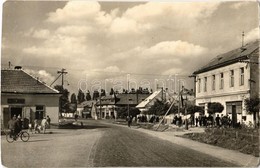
point(241, 76)
point(40, 112)
point(213, 82)
point(205, 84)
point(232, 78)
point(221, 86)
point(199, 84)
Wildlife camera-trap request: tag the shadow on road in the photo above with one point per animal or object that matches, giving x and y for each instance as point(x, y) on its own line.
point(82, 127)
point(38, 140)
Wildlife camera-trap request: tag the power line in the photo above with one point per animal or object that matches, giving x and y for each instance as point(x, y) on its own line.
point(101, 71)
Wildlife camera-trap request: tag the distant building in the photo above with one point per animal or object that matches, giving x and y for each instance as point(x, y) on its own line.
point(108, 106)
point(149, 101)
point(229, 79)
point(105, 107)
point(86, 109)
point(25, 96)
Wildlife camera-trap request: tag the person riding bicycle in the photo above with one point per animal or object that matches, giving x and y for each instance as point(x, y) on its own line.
point(18, 125)
point(11, 126)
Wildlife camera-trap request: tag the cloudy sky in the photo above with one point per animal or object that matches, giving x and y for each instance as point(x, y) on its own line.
point(99, 42)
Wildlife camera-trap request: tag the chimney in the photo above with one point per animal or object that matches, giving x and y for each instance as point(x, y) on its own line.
point(18, 67)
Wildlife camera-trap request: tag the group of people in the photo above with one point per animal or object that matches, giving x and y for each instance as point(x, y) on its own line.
point(204, 121)
point(210, 121)
point(44, 124)
point(15, 126)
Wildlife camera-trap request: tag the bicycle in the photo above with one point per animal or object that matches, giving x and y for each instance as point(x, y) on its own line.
point(24, 136)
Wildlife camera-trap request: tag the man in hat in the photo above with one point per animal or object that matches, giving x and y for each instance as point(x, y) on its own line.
point(11, 126)
point(17, 125)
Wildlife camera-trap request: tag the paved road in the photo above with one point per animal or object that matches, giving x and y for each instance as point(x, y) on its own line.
point(101, 145)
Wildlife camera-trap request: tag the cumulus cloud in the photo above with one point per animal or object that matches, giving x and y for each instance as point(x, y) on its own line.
point(75, 12)
point(41, 75)
point(252, 35)
point(174, 49)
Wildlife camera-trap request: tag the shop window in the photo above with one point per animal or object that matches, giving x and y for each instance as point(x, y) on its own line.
point(40, 112)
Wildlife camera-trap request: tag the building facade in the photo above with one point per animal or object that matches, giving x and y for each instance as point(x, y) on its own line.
point(25, 96)
point(229, 79)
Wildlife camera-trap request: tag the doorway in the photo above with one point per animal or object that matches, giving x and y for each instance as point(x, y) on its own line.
point(234, 115)
point(16, 111)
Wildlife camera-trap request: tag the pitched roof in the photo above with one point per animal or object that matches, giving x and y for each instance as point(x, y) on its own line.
point(106, 100)
point(144, 103)
point(18, 81)
point(230, 57)
point(131, 99)
point(88, 103)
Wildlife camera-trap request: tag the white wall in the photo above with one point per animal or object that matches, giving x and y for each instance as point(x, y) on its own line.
point(227, 90)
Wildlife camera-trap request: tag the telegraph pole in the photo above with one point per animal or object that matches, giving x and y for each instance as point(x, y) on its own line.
point(62, 72)
point(179, 98)
point(128, 99)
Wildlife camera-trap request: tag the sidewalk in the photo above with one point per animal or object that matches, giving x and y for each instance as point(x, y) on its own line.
point(232, 156)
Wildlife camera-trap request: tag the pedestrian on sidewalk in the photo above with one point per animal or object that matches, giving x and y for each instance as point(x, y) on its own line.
point(48, 122)
point(196, 120)
point(218, 121)
point(44, 124)
point(129, 121)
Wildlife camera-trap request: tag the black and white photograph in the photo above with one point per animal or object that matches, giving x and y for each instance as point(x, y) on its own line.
point(120, 83)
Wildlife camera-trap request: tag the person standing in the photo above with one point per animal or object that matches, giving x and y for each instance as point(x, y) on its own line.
point(48, 122)
point(196, 120)
point(44, 124)
point(129, 121)
point(218, 121)
point(11, 125)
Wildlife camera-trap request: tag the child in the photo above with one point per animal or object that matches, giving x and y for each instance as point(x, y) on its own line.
point(36, 126)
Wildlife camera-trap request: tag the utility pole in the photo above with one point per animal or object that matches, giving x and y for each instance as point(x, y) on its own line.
point(128, 99)
point(179, 98)
point(62, 72)
point(100, 108)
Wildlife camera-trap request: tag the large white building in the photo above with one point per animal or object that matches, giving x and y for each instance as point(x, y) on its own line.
point(229, 79)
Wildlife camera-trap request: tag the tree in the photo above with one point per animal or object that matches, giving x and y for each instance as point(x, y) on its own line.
point(252, 106)
point(73, 98)
point(215, 107)
point(103, 92)
point(159, 107)
point(132, 91)
point(64, 98)
point(88, 96)
point(81, 96)
point(191, 109)
point(134, 112)
point(111, 91)
point(95, 95)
